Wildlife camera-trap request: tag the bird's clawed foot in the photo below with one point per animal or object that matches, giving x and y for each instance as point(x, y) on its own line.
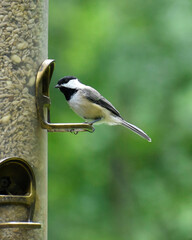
point(74, 131)
point(93, 130)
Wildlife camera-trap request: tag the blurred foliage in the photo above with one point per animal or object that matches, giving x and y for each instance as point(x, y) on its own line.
point(112, 184)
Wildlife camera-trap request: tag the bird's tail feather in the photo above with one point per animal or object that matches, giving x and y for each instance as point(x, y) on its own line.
point(136, 130)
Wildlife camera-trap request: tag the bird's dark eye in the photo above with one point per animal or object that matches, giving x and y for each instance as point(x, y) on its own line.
point(66, 81)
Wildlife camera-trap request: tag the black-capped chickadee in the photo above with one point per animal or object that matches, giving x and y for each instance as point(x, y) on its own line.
point(91, 105)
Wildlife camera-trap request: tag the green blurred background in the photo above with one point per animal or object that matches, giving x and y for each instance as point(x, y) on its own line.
point(112, 184)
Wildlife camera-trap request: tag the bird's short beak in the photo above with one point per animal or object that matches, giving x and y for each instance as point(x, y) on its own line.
point(57, 86)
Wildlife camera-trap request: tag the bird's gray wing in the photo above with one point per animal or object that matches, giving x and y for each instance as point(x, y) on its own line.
point(94, 96)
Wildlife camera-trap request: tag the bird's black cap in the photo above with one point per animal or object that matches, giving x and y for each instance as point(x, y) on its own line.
point(66, 79)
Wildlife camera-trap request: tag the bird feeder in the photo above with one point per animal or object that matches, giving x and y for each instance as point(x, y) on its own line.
point(23, 143)
point(25, 75)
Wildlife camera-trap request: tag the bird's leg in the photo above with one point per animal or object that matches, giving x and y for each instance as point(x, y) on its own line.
point(94, 121)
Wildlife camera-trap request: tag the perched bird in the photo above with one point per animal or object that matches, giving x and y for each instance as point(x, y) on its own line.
point(91, 105)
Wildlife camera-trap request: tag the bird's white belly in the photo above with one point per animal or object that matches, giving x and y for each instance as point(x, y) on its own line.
point(91, 111)
point(85, 108)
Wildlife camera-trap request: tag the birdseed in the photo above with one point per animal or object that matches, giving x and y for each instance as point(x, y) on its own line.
point(23, 47)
